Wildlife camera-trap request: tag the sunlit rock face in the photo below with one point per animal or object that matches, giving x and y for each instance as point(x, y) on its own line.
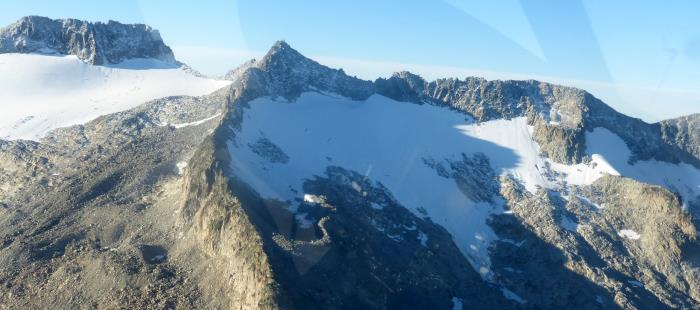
point(95, 43)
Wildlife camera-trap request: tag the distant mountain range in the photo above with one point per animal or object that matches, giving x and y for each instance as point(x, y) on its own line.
point(129, 180)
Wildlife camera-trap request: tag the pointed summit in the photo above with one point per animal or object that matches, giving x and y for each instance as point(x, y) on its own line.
point(289, 73)
point(281, 45)
point(281, 56)
point(281, 48)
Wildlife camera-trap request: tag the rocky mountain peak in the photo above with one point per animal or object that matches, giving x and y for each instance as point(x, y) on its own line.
point(95, 43)
point(281, 47)
point(288, 73)
point(283, 58)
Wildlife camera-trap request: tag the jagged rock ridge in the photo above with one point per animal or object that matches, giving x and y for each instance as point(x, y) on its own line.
point(95, 43)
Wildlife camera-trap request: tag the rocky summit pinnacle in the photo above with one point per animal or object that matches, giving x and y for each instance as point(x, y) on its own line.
point(95, 43)
point(288, 73)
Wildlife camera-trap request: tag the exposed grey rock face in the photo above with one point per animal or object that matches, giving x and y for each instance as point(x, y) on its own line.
point(288, 73)
point(620, 242)
point(22, 165)
point(236, 73)
point(683, 132)
point(95, 43)
point(561, 115)
point(472, 174)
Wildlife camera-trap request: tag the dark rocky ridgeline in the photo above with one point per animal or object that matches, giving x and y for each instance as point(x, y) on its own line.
point(684, 132)
point(560, 115)
point(95, 43)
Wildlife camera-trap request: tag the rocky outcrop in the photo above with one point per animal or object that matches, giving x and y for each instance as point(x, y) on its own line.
point(683, 132)
point(618, 243)
point(95, 43)
point(287, 73)
point(663, 245)
point(218, 222)
point(236, 73)
point(561, 115)
point(22, 165)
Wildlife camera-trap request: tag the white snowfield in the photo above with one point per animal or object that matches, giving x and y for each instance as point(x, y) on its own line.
point(629, 234)
point(387, 141)
point(39, 93)
point(195, 123)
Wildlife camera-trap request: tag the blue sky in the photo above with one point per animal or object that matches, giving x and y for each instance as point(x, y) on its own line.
point(641, 57)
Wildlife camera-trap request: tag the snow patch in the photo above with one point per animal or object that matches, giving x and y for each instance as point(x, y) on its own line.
point(309, 198)
point(513, 242)
point(629, 234)
point(181, 167)
point(568, 224)
point(456, 303)
point(423, 238)
point(376, 206)
point(195, 123)
point(508, 294)
point(303, 220)
point(158, 258)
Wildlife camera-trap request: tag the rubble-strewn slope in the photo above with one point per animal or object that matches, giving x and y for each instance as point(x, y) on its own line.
point(95, 222)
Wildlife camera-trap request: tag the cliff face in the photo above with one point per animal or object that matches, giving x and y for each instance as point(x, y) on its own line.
point(95, 43)
point(684, 132)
